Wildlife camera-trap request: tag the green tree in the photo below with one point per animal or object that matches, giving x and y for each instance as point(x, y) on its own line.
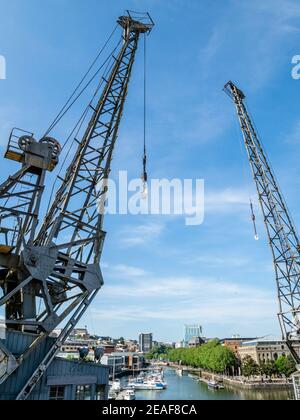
point(286, 366)
point(269, 368)
point(250, 367)
point(157, 353)
point(211, 356)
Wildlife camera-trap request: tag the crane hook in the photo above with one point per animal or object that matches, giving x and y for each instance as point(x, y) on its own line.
point(145, 179)
point(256, 237)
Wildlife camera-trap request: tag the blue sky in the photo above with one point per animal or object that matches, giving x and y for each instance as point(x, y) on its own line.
point(160, 274)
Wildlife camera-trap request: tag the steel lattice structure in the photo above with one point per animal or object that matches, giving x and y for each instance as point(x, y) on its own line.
point(60, 266)
point(283, 237)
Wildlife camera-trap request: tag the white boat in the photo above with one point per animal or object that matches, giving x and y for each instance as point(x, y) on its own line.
point(115, 385)
point(213, 385)
point(129, 395)
point(152, 382)
point(126, 395)
point(147, 385)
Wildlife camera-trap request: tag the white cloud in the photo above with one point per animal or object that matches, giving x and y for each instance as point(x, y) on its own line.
point(251, 35)
point(141, 235)
point(229, 199)
point(213, 261)
point(6, 124)
point(128, 271)
point(186, 299)
point(282, 10)
point(294, 136)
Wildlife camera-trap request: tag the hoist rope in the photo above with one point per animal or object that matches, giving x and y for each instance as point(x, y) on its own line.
point(245, 164)
point(145, 175)
point(79, 124)
point(65, 108)
point(273, 173)
point(145, 94)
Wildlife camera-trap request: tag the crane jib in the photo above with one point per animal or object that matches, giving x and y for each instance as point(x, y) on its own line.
point(282, 234)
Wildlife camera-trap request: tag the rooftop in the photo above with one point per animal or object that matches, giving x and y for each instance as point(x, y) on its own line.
point(266, 339)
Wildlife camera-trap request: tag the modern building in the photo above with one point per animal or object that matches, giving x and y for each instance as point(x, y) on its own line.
point(119, 362)
point(190, 332)
point(115, 362)
point(72, 347)
point(145, 342)
point(265, 349)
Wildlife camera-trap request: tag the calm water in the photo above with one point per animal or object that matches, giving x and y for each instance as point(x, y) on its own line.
point(185, 388)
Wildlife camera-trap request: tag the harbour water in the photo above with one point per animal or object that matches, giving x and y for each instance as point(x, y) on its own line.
point(186, 387)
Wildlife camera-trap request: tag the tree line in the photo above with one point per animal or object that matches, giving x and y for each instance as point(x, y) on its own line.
point(211, 356)
point(216, 358)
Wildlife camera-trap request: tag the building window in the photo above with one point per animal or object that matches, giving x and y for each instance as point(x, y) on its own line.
point(83, 393)
point(57, 393)
point(100, 392)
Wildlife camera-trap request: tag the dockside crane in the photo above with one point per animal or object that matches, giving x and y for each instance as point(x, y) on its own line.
point(282, 234)
point(50, 275)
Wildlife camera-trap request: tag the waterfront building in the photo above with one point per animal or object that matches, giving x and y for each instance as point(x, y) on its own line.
point(119, 362)
point(265, 349)
point(145, 342)
point(234, 343)
point(115, 362)
point(191, 331)
point(72, 347)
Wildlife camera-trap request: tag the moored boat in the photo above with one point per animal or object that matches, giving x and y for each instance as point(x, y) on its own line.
point(213, 384)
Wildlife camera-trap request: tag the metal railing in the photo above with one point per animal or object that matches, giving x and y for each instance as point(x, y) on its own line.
point(13, 147)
